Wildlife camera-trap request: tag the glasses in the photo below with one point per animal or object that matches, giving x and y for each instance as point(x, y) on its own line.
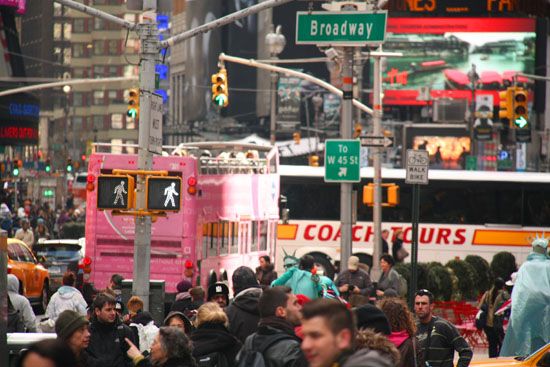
point(424, 292)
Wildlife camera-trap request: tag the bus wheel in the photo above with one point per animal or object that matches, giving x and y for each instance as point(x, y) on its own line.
point(365, 259)
point(323, 263)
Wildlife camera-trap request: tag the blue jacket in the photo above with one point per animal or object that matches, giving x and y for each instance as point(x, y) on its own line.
point(300, 282)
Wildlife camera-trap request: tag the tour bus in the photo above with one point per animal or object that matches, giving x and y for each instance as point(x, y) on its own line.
point(228, 217)
point(461, 213)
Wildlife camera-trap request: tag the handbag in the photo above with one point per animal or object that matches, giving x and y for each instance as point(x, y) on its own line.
point(402, 254)
point(481, 317)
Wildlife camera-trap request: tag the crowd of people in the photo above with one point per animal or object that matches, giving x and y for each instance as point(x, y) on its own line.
point(296, 319)
point(34, 221)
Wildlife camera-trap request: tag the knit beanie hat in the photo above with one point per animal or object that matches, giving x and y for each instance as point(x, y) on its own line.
point(371, 317)
point(244, 278)
point(184, 286)
point(68, 322)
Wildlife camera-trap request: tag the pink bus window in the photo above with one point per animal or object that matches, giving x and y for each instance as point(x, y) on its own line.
point(263, 235)
point(234, 238)
point(254, 238)
point(223, 230)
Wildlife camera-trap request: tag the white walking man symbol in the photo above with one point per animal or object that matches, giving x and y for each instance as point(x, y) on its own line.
point(119, 190)
point(169, 192)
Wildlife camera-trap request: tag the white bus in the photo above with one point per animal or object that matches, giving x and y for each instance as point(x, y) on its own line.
point(461, 213)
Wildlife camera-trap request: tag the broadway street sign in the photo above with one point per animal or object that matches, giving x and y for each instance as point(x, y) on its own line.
point(376, 141)
point(344, 28)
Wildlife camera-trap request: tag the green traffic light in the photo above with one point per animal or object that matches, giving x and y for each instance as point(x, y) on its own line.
point(48, 169)
point(69, 168)
point(521, 122)
point(220, 100)
point(132, 112)
point(16, 171)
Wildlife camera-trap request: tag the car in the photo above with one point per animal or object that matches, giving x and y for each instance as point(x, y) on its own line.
point(540, 358)
point(59, 256)
point(34, 278)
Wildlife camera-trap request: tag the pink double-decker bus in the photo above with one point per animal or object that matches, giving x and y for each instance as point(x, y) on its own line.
point(228, 217)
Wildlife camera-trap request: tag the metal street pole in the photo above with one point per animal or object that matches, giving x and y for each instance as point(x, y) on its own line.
point(276, 42)
point(377, 179)
point(346, 133)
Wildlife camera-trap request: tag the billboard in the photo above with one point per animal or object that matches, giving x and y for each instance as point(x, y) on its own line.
point(439, 54)
point(19, 114)
point(21, 5)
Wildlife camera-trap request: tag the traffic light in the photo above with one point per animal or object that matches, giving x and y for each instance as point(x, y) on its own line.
point(357, 130)
point(390, 194)
point(506, 101)
point(521, 112)
point(220, 90)
point(48, 166)
point(163, 193)
point(297, 137)
point(115, 192)
point(133, 103)
point(314, 160)
point(69, 167)
point(16, 167)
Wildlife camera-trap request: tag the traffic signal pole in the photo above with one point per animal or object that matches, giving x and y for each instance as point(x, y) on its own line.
point(149, 56)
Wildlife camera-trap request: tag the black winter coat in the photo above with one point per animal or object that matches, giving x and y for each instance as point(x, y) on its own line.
point(107, 346)
point(172, 362)
point(243, 313)
point(210, 338)
point(265, 277)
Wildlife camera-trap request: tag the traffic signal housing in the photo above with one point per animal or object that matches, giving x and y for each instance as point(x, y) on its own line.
point(297, 137)
point(505, 106)
point(115, 192)
point(133, 103)
point(220, 90)
point(16, 170)
point(69, 167)
point(521, 111)
point(48, 166)
point(163, 193)
point(314, 160)
point(357, 130)
point(390, 194)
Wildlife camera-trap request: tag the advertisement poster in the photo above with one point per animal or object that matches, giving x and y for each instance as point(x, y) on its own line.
point(288, 109)
point(439, 53)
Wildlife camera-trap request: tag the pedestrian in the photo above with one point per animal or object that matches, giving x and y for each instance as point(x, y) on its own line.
point(219, 293)
point(72, 329)
point(529, 327)
point(67, 297)
point(134, 306)
point(329, 337)
point(108, 333)
point(171, 348)
point(438, 339)
point(25, 233)
point(300, 279)
point(115, 290)
point(275, 339)
point(385, 246)
point(398, 251)
point(21, 304)
point(41, 231)
point(490, 302)
point(47, 353)
point(183, 298)
point(371, 340)
point(197, 295)
point(403, 331)
point(178, 319)
point(213, 345)
point(243, 312)
point(371, 317)
point(354, 280)
point(265, 273)
point(144, 329)
point(389, 279)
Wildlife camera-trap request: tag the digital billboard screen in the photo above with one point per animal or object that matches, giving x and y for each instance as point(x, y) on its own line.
point(439, 53)
point(19, 114)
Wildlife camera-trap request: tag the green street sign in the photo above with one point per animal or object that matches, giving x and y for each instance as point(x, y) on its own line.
point(342, 160)
point(344, 28)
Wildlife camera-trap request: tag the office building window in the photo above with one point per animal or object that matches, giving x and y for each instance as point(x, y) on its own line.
point(79, 25)
point(98, 122)
point(79, 50)
point(99, 47)
point(116, 121)
point(99, 24)
point(99, 71)
point(80, 73)
point(78, 99)
point(99, 97)
point(113, 70)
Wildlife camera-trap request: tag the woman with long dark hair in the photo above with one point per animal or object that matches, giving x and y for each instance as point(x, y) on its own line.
point(491, 301)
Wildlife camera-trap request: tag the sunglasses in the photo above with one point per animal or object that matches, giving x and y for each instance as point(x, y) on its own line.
point(424, 292)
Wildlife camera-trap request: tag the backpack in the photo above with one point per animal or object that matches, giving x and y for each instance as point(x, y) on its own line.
point(216, 359)
point(402, 285)
point(15, 321)
point(254, 357)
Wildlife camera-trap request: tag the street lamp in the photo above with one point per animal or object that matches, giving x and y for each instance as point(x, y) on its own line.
point(275, 42)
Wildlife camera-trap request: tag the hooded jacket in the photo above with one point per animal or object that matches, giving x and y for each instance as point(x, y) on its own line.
point(66, 298)
point(364, 357)
point(210, 337)
point(265, 277)
point(407, 348)
point(243, 313)
point(21, 304)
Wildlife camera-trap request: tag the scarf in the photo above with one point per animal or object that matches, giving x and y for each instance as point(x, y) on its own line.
point(277, 323)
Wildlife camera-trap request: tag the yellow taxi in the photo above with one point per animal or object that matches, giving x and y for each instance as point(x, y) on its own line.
point(540, 358)
point(33, 277)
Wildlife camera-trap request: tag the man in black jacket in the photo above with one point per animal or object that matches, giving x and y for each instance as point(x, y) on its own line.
point(243, 311)
point(107, 346)
point(265, 273)
point(280, 313)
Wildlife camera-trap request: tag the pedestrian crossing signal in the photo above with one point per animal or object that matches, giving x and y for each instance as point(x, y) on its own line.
point(163, 193)
point(115, 192)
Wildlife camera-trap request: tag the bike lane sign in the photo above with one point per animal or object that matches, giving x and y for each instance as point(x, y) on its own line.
point(342, 163)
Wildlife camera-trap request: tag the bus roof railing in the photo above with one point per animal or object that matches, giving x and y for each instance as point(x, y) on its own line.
point(223, 146)
point(222, 165)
